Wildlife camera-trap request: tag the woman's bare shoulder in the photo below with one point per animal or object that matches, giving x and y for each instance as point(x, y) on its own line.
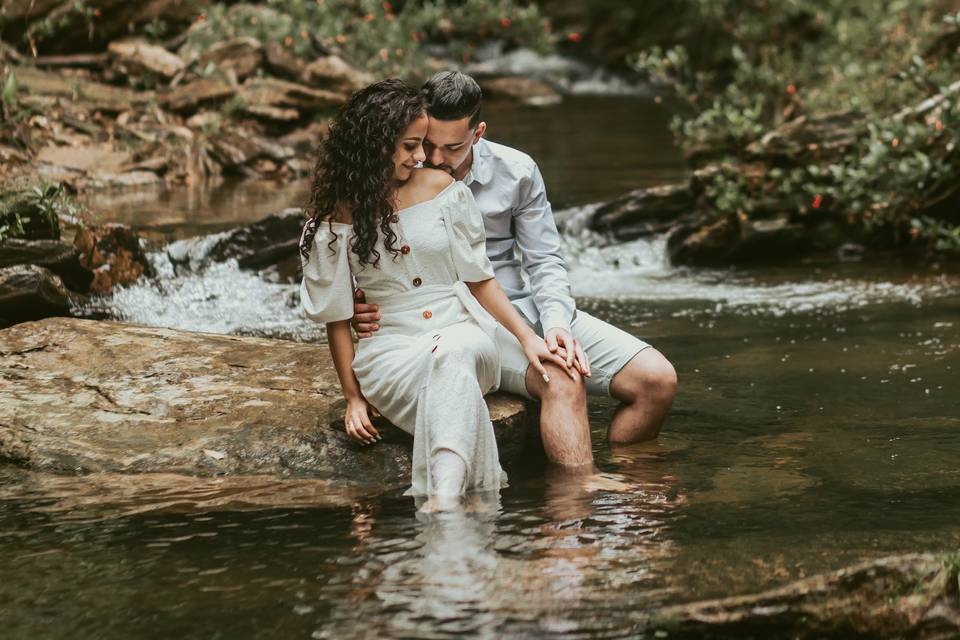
point(430, 182)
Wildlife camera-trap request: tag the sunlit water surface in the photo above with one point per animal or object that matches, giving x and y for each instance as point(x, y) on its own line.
point(817, 424)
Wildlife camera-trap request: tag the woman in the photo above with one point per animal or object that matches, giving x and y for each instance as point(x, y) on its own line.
point(413, 241)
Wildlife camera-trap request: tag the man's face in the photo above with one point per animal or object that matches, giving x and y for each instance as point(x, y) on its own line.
point(448, 145)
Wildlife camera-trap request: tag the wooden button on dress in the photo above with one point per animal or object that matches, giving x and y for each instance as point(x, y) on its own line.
point(394, 218)
point(427, 315)
point(405, 249)
point(417, 282)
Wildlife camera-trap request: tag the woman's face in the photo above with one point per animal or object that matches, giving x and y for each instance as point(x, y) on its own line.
point(409, 151)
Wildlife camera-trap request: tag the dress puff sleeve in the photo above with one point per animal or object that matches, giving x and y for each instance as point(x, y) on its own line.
point(468, 242)
point(326, 290)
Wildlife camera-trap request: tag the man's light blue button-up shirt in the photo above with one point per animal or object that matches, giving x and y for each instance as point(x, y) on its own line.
point(510, 192)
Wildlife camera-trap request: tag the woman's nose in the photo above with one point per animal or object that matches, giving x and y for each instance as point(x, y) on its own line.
point(419, 155)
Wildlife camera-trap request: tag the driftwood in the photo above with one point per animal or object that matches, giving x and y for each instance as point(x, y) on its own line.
point(911, 596)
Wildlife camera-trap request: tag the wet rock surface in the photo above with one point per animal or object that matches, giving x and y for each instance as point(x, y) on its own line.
point(59, 257)
point(29, 292)
point(909, 596)
point(87, 396)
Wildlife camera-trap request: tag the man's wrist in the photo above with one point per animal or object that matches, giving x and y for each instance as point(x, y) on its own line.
point(554, 319)
point(557, 327)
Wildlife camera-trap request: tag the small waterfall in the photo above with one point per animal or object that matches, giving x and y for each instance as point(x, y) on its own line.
point(218, 297)
point(640, 270)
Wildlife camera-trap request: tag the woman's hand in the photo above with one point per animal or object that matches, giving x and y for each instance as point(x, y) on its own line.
point(537, 352)
point(357, 421)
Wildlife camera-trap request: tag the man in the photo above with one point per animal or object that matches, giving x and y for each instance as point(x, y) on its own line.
point(601, 359)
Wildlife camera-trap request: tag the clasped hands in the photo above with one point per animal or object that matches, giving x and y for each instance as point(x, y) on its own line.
point(557, 346)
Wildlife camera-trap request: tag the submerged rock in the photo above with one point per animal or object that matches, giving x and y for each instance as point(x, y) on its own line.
point(88, 396)
point(909, 596)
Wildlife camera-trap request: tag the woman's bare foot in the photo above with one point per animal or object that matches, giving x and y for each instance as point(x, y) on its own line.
point(438, 504)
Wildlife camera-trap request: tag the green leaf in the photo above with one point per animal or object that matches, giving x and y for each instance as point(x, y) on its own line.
point(10, 87)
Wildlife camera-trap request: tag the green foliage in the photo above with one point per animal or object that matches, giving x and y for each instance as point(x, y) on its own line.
point(814, 58)
point(39, 207)
point(371, 34)
point(57, 21)
point(10, 88)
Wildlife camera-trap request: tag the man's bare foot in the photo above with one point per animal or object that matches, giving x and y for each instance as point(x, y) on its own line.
point(606, 482)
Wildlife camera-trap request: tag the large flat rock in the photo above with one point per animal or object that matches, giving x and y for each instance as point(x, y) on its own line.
point(79, 396)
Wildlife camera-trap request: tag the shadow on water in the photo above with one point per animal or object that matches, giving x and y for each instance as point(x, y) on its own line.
point(816, 425)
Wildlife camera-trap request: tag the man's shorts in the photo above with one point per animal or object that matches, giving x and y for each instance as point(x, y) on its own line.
point(608, 348)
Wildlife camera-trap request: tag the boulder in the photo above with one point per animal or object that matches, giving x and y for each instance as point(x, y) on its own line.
point(114, 254)
point(59, 257)
point(135, 57)
point(261, 244)
point(29, 292)
point(520, 89)
point(738, 240)
point(270, 92)
point(239, 151)
point(644, 212)
point(89, 396)
point(90, 158)
point(335, 74)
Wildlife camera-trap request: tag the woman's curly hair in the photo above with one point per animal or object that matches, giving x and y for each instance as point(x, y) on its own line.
point(355, 169)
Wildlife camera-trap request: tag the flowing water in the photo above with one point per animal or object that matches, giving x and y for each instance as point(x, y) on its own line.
point(817, 424)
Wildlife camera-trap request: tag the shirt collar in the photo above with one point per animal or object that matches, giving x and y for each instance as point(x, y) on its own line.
point(481, 171)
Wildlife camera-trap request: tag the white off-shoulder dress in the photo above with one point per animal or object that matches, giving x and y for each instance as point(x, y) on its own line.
point(434, 357)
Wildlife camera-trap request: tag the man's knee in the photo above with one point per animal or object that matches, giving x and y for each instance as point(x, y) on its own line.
point(649, 377)
point(561, 388)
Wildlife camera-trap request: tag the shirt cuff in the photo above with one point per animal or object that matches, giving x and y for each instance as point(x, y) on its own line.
point(555, 320)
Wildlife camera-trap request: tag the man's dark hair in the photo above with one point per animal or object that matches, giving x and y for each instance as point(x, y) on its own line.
point(452, 95)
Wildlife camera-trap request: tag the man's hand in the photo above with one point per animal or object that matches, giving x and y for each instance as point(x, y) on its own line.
point(366, 317)
point(560, 341)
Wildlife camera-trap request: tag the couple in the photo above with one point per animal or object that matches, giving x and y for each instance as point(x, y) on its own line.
point(447, 316)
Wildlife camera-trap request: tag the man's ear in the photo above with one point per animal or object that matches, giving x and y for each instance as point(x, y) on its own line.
point(478, 133)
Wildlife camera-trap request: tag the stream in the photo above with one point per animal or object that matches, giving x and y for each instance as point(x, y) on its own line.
point(817, 424)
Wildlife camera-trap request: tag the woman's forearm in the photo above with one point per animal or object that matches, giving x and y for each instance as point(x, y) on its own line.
point(491, 297)
point(341, 348)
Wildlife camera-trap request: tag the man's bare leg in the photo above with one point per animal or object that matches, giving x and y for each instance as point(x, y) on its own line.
point(564, 427)
point(645, 388)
